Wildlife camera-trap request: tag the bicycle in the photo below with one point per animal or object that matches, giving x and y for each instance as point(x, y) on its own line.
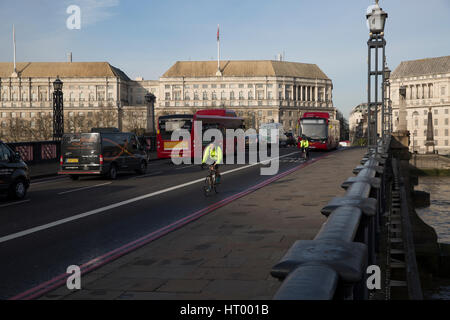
point(305, 153)
point(210, 181)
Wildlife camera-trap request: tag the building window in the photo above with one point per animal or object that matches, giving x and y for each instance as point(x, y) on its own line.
point(436, 111)
point(205, 95)
point(223, 86)
point(269, 95)
point(196, 86)
point(223, 96)
point(204, 86)
point(186, 96)
point(250, 95)
point(213, 86)
point(435, 122)
point(446, 132)
point(196, 96)
point(214, 96)
point(436, 131)
point(241, 95)
point(167, 96)
point(442, 91)
point(232, 95)
point(241, 85)
point(446, 121)
point(269, 113)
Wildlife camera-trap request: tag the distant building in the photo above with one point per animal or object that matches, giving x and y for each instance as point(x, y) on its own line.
point(260, 90)
point(98, 94)
point(358, 122)
point(427, 84)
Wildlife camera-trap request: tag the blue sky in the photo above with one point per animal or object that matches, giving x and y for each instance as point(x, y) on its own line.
point(144, 38)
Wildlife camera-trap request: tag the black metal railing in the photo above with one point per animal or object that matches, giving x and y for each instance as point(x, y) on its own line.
point(333, 265)
point(37, 152)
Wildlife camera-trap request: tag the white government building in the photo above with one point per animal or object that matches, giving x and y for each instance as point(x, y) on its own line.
point(427, 84)
point(98, 94)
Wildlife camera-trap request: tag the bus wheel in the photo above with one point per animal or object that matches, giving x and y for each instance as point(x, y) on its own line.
point(74, 177)
point(112, 172)
point(142, 168)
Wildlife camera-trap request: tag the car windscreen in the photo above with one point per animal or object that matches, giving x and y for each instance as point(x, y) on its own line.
point(314, 128)
point(168, 126)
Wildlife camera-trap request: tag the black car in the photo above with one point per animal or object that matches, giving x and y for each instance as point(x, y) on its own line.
point(105, 152)
point(14, 173)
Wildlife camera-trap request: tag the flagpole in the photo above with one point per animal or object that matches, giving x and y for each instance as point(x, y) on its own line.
point(14, 45)
point(218, 73)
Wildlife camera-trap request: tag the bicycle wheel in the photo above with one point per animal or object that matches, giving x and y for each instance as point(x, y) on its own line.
point(207, 186)
point(215, 185)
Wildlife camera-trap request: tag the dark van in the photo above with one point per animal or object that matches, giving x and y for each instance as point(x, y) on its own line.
point(14, 173)
point(101, 153)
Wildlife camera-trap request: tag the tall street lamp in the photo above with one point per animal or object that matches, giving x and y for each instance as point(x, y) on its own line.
point(376, 20)
point(58, 110)
point(150, 99)
point(386, 112)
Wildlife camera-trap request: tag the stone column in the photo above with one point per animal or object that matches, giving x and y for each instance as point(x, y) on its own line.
point(402, 133)
point(429, 143)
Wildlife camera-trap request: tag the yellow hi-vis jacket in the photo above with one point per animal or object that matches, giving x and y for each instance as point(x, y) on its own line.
point(214, 153)
point(304, 143)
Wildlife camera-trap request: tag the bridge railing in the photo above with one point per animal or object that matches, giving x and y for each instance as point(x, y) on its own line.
point(333, 265)
point(49, 151)
point(37, 152)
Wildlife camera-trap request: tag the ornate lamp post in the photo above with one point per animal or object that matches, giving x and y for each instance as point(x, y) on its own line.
point(376, 20)
point(150, 99)
point(58, 109)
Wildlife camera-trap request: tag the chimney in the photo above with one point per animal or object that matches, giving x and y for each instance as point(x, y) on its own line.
point(69, 57)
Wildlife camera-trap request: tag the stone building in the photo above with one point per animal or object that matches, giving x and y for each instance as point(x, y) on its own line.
point(358, 123)
point(95, 94)
point(259, 90)
point(98, 94)
point(427, 83)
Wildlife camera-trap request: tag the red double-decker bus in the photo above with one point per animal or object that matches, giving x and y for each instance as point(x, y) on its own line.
point(322, 132)
point(220, 119)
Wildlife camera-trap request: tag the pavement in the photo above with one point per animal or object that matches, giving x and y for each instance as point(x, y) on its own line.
point(228, 253)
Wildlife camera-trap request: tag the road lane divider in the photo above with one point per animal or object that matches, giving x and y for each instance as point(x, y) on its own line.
point(14, 203)
point(84, 188)
point(97, 262)
point(53, 224)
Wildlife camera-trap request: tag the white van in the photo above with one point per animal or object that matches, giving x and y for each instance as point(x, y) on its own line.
point(266, 136)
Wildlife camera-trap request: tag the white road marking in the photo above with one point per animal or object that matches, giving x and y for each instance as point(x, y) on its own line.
point(119, 204)
point(13, 203)
point(148, 175)
point(88, 187)
point(188, 166)
point(47, 181)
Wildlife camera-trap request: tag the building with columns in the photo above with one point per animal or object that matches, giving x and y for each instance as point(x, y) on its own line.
point(96, 94)
point(427, 83)
point(258, 90)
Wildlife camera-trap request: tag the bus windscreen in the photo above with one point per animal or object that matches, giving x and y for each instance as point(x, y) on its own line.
point(168, 126)
point(314, 128)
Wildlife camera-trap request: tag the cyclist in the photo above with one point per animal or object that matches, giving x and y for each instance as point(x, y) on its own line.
point(213, 156)
point(304, 145)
